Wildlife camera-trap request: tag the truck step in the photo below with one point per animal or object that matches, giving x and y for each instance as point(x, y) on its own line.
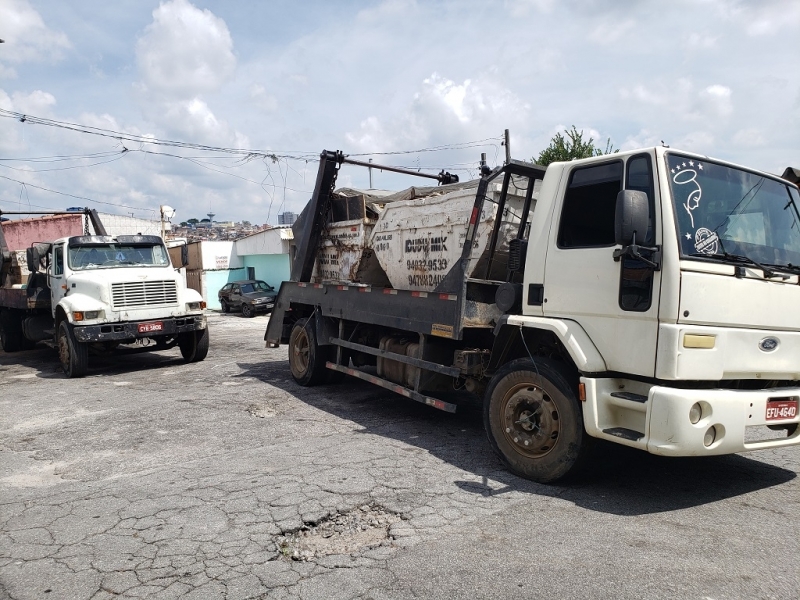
point(630, 396)
point(50, 343)
point(624, 433)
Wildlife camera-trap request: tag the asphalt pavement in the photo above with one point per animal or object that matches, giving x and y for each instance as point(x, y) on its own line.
point(151, 478)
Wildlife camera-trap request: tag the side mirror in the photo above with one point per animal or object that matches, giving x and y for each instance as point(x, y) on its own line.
point(184, 255)
point(33, 258)
point(632, 217)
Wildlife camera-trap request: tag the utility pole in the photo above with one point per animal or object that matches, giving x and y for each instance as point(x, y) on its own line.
point(507, 143)
point(370, 175)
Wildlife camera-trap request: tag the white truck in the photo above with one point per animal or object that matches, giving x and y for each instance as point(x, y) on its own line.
point(648, 298)
point(98, 293)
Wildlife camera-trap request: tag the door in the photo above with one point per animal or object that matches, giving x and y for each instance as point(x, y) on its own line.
point(251, 272)
point(56, 278)
point(236, 296)
point(616, 302)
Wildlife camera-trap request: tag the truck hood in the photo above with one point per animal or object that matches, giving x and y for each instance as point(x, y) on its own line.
point(123, 275)
point(711, 294)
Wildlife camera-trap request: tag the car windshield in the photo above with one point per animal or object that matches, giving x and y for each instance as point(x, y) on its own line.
point(256, 286)
point(103, 256)
point(723, 210)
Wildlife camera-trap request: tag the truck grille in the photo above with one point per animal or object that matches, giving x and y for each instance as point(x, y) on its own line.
point(143, 293)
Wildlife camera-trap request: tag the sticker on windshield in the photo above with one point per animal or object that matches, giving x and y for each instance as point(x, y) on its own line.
point(685, 174)
point(706, 241)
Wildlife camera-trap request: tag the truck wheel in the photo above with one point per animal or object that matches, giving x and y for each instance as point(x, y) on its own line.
point(10, 331)
point(306, 357)
point(194, 345)
point(248, 311)
point(224, 306)
point(533, 420)
point(74, 355)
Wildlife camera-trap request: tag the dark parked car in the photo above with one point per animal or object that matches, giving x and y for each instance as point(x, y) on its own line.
point(250, 295)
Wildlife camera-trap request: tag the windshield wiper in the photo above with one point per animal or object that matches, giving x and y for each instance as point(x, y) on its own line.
point(769, 271)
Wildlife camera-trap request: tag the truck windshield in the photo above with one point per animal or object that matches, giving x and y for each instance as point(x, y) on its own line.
point(726, 212)
point(103, 256)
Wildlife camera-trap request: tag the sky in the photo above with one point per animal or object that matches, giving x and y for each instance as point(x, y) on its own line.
point(254, 91)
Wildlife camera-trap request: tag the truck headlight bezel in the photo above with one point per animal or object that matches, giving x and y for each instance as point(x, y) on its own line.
point(195, 305)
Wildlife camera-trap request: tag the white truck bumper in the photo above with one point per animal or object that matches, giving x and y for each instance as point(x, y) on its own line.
point(659, 419)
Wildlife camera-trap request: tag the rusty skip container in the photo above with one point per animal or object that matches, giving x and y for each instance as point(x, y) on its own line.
point(417, 241)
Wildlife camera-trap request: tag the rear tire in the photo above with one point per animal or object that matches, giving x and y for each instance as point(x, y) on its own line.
point(194, 345)
point(533, 420)
point(306, 357)
point(74, 355)
point(224, 306)
point(10, 331)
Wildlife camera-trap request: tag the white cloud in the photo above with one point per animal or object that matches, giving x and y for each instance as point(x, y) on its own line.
point(522, 8)
point(717, 99)
point(443, 111)
point(263, 100)
point(610, 31)
point(185, 51)
point(749, 138)
point(37, 103)
point(27, 38)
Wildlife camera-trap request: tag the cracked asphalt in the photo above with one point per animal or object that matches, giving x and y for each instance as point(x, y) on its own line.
point(223, 479)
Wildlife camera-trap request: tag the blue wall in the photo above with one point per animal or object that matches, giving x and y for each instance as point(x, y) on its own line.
point(272, 268)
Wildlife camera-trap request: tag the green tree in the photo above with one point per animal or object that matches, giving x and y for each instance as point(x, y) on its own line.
point(570, 147)
point(192, 221)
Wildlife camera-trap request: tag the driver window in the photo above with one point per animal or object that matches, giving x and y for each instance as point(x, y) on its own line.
point(58, 260)
point(636, 277)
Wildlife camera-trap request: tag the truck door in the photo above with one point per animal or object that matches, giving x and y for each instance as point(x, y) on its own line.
point(616, 302)
point(56, 277)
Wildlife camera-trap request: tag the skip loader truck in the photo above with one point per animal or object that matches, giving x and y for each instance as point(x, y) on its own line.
point(648, 298)
point(97, 293)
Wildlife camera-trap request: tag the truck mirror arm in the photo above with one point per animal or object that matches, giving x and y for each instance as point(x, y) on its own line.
point(634, 251)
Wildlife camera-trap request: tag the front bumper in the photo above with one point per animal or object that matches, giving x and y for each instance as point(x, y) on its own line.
point(658, 418)
point(732, 413)
point(263, 307)
point(129, 330)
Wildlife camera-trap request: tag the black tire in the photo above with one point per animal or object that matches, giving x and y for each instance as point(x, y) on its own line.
point(194, 345)
point(533, 420)
point(306, 357)
point(224, 306)
point(11, 337)
point(74, 355)
point(248, 311)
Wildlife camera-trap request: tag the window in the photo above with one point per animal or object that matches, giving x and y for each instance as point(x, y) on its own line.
point(227, 287)
point(587, 219)
point(636, 277)
point(58, 260)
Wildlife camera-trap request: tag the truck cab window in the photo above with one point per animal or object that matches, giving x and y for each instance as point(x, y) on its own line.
point(587, 218)
point(58, 260)
point(636, 277)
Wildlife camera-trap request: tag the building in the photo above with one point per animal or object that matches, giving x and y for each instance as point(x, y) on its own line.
point(287, 218)
point(212, 264)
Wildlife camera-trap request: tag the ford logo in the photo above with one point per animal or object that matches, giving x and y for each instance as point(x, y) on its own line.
point(768, 344)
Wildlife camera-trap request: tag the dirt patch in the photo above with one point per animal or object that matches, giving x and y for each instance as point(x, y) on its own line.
point(343, 533)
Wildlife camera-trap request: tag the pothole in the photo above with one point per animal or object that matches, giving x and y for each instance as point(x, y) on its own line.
point(261, 411)
point(343, 533)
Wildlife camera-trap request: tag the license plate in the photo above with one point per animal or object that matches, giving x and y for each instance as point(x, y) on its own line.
point(150, 327)
point(781, 408)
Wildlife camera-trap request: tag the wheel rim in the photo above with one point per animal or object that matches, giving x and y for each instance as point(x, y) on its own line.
point(300, 353)
point(530, 420)
point(246, 310)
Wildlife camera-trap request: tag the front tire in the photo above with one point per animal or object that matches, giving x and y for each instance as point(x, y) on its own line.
point(306, 357)
point(194, 345)
point(533, 420)
point(248, 311)
point(74, 355)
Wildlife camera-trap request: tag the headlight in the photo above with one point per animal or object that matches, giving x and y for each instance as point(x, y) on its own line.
point(257, 301)
point(195, 305)
point(87, 315)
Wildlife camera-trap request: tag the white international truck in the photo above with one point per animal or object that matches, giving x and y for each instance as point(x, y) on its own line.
point(649, 298)
point(98, 293)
